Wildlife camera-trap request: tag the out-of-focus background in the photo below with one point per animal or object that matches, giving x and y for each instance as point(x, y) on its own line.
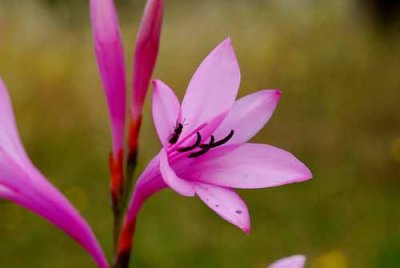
point(338, 65)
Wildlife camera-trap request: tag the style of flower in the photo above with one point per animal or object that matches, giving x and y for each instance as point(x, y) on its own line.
point(205, 144)
point(296, 261)
point(22, 183)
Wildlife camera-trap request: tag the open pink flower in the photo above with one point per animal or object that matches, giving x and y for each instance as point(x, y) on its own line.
point(296, 261)
point(21, 182)
point(205, 142)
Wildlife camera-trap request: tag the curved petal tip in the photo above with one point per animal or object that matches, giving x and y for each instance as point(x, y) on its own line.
point(278, 92)
point(296, 261)
point(226, 203)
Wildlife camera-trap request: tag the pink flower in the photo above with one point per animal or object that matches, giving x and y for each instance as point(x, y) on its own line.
point(205, 142)
point(110, 60)
point(296, 261)
point(147, 46)
point(21, 182)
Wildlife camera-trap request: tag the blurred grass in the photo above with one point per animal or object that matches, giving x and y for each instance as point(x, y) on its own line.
point(339, 114)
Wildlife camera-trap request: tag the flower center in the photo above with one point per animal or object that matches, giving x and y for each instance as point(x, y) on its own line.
point(203, 147)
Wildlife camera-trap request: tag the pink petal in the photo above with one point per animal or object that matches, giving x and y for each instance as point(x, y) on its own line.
point(212, 125)
point(248, 166)
point(147, 45)
point(165, 110)
point(297, 261)
point(22, 183)
point(9, 138)
point(32, 191)
point(213, 88)
point(5, 192)
point(248, 116)
point(110, 60)
point(179, 185)
point(225, 203)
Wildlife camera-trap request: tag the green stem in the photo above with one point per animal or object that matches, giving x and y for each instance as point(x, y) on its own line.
point(117, 225)
point(130, 171)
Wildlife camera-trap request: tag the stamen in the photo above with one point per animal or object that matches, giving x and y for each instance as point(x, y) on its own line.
point(205, 149)
point(192, 147)
point(174, 146)
point(224, 140)
point(209, 145)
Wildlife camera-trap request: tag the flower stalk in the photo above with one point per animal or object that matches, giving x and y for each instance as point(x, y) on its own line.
point(125, 245)
point(146, 52)
point(110, 59)
point(117, 190)
point(133, 152)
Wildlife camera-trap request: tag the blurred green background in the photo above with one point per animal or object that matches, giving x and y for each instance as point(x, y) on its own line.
point(338, 65)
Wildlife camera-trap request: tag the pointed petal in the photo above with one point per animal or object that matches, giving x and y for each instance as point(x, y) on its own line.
point(248, 116)
point(147, 46)
point(248, 166)
point(33, 192)
point(225, 203)
point(179, 185)
point(213, 88)
point(110, 60)
point(297, 261)
point(10, 141)
point(166, 109)
point(22, 183)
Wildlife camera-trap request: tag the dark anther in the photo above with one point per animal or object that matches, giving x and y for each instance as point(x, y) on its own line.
point(208, 145)
point(204, 149)
point(224, 140)
point(194, 146)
